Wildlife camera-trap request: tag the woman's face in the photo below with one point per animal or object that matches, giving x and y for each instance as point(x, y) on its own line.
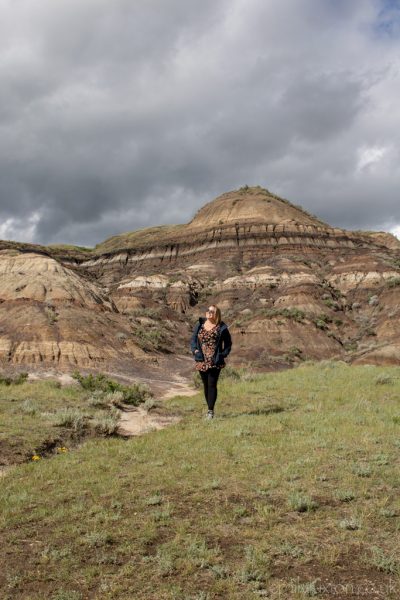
point(211, 314)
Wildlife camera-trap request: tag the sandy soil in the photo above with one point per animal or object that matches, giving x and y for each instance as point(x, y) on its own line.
point(63, 378)
point(139, 421)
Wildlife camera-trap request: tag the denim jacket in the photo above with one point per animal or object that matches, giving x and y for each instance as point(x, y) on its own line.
point(222, 348)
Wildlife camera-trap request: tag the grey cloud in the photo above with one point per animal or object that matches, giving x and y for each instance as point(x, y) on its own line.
point(120, 115)
point(322, 107)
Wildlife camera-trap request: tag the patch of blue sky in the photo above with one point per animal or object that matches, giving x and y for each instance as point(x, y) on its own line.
point(388, 19)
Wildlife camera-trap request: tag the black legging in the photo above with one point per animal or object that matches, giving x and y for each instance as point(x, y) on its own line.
point(210, 378)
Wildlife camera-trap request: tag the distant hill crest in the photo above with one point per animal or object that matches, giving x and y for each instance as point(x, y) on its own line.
point(254, 204)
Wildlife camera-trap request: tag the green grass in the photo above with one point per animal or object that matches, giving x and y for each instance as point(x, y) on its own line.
point(296, 482)
point(39, 417)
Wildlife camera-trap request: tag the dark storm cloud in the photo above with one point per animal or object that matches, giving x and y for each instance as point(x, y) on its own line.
point(324, 106)
point(119, 115)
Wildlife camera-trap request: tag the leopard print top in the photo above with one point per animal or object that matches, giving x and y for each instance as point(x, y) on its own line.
point(208, 342)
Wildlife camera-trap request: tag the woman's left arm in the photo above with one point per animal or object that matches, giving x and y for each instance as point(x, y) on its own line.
point(227, 343)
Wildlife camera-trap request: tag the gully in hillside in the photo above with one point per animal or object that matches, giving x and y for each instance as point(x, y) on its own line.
point(211, 343)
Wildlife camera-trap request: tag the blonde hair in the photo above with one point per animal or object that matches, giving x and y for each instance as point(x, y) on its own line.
point(217, 313)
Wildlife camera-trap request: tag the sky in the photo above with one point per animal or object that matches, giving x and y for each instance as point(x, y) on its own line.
point(121, 114)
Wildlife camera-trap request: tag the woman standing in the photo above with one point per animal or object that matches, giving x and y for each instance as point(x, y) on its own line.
point(211, 343)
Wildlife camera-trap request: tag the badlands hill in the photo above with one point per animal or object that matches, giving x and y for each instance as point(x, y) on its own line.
point(291, 288)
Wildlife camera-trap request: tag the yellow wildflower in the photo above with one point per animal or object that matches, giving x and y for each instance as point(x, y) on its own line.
point(35, 457)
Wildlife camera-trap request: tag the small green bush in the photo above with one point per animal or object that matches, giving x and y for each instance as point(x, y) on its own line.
point(330, 303)
point(290, 313)
point(288, 549)
point(362, 470)
point(51, 314)
point(133, 394)
point(389, 513)
point(393, 282)
point(301, 503)
point(200, 554)
point(256, 566)
point(345, 495)
point(149, 338)
point(29, 408)
point(383, 380)
point(384, 562)
point(151, 313)
point(325, 318)
point(98, 539)
point(107, 424)
point(71, 418)
point(104, 400)
point(136, 393)
point(350, 346)
point(95, 382)
point(321, 321)
point(155, 500)
point(17, 380)
point(151, 404)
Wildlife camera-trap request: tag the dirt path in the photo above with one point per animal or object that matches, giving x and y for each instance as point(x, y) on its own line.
point(138, 421)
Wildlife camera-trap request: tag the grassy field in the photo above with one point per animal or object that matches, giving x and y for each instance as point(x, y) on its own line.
point(40, 419)
point(291, 492)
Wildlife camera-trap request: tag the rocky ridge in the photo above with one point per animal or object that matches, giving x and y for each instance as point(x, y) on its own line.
point(290, 287)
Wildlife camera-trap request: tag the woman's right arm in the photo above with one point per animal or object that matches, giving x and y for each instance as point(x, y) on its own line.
point(193, 341)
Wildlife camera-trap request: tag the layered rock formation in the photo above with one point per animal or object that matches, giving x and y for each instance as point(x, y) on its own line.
point(51, 314)
point(290, 286)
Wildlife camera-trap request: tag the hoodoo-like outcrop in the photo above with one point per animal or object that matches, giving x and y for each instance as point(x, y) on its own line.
point(290, 286)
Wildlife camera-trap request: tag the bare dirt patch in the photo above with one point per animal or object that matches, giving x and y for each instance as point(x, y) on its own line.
point(139, 421)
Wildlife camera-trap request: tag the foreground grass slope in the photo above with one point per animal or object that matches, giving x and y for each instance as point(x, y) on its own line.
point(292, 492)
